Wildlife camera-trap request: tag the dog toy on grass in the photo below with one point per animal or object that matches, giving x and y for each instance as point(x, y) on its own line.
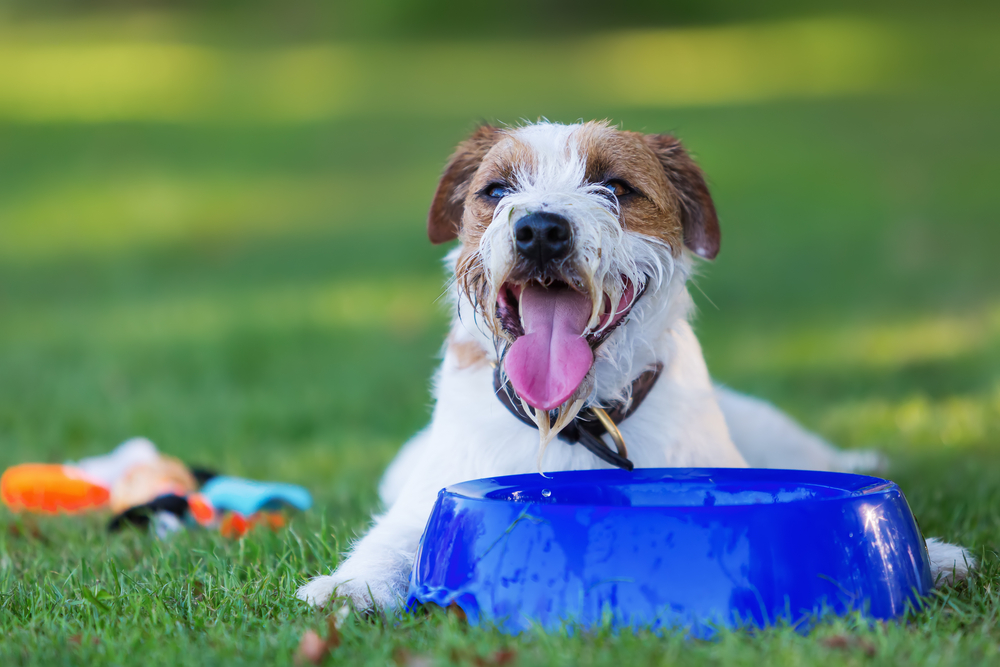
point(51, 489)
point(139, 485)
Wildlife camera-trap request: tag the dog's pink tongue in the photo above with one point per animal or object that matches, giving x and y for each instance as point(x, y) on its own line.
point(550, 360)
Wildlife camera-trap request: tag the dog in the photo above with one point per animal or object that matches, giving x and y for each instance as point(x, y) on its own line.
point(571, 326)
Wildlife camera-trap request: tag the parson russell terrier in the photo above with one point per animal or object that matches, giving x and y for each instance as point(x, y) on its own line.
point(571, 316)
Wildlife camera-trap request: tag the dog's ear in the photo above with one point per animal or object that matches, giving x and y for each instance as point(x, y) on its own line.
point(701, 225)
point(445, 218)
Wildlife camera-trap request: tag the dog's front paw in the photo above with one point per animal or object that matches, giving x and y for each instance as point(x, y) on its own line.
point(364, 596)
point(319, 590)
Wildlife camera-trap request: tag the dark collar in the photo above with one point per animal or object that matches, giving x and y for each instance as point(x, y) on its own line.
point(586, 429)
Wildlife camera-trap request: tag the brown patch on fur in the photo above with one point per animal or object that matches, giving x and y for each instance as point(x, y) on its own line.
point(653, 208)
point(445, 218)
point(501, 164)
point(697, 211)
point(467, 353)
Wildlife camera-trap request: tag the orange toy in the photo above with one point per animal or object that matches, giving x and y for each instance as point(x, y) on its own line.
point(234, 525)
point(201, 509)
point(51, 488)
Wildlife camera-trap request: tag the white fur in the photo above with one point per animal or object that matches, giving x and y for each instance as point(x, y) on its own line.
point(768, 438)
point(685, 421)
point(949, 562)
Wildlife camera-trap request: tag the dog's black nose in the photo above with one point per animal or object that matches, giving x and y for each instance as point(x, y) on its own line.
point(542, 237)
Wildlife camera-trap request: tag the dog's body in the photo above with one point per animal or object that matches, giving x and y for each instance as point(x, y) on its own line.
point(558, 224)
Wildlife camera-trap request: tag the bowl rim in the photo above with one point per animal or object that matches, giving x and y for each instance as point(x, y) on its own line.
point(477, 489)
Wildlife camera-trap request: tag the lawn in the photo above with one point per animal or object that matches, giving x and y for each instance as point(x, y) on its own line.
point(258, 296)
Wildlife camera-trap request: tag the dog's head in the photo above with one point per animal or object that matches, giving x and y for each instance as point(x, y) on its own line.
point(565, 229)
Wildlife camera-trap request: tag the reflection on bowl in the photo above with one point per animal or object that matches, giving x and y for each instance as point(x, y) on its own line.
point(669, 547)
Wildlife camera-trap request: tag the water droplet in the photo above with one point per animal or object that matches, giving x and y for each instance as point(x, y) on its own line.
point(546, 493)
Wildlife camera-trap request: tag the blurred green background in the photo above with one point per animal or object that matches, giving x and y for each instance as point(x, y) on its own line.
point(212, 214)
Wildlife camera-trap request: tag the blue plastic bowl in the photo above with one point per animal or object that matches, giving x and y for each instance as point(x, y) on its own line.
point(666, 547)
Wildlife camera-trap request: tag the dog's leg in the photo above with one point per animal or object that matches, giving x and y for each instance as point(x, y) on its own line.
point(376, 573)
point(768, 438)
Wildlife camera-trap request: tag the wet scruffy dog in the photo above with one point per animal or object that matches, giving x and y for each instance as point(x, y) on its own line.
point(569, 291)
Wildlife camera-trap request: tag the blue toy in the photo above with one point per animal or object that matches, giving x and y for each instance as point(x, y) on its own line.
point(661, 548)
point(248, 497)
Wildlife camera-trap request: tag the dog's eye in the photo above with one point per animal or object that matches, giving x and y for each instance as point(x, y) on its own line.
point(496, 191)
point(617, 188)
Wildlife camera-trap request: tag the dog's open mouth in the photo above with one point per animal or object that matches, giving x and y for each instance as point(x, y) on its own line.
point(553, 348)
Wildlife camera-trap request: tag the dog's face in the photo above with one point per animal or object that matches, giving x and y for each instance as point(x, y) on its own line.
point(564, 229)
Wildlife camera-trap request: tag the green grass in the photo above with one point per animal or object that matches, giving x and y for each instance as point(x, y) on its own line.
point(260, 298)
